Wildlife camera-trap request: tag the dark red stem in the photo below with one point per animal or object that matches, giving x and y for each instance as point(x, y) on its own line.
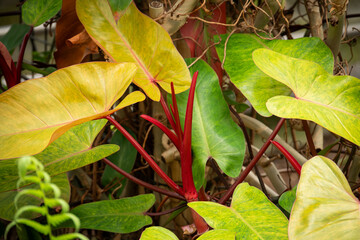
point(309, 138)
point(21, 55)
point(147, 157)
point(247, 170)
point(9, 75)
point(151, 214)
point(167, 112)
point(163, 128)
point(288, 156)
point(185, 153)
point(142, 183)
point(175, 111)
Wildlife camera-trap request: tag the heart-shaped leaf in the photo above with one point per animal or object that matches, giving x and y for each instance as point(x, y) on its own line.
point(7, 204)
point(252, 82)
point(124, 159)
point(136, 38)
point(251, 215)
point(121, 216)
point(325, 207)
point(330, 101)
point(157, 233)
point(60, 156)
point(38, 111)
point(214, 133)
point(36, 12)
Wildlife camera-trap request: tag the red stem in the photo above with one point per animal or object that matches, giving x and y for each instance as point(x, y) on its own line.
point(8, 74)
point(142, 183)
point(288, 156)
point(185, 153)
point(309, 138)
point(247, 170)
point(167, 112)
point(147, 157)
point(21, 55)
point(163, 128)
point(176, 113)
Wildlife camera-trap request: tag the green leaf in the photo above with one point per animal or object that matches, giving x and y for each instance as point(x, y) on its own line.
point(254, 84)
point(38, 111)
point(287, 199)
point(70, 151)
point(157, 233)
point(119, 5)
point(330, 101)
point(251, 215)
point(325, 207)
point(218, 234)
point(7, 206)
point(120, 216)
point(36, 12)
point(14, 36)
point(124, 159)
point(214, 133)
point(138, 39)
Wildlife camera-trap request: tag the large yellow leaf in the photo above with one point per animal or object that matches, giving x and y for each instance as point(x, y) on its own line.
point(138, 39)
point(35, 113)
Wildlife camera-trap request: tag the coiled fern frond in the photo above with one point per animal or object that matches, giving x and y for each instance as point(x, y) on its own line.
point(31, 171)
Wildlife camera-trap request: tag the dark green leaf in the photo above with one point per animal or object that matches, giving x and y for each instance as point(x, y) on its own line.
point(14, 36)
point(121, 216)
point(119, 5)
point(287, 199)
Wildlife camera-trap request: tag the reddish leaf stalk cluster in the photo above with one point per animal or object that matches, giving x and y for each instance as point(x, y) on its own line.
point(288, 156)
point(11, 73)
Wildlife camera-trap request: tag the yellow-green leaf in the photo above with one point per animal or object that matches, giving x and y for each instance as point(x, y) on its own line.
point(36, 112)
point(330, 101)
point(157, 233)
point(138, 39)
point(325, 207)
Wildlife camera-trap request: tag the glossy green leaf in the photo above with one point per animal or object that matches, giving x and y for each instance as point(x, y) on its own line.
point(70, 151)
point(121, 216)
point(157, 233)
point(330, 101)
point(36, 12)
point(214, 133)
point(124, 159)
point(218, 234)
point(287, 199)
point(251, 215)
point(119, 5)
point(38, 111)
point(138, 39)
point(14, 36)
point(7, 206)
point(253, 83)
point(325, 207)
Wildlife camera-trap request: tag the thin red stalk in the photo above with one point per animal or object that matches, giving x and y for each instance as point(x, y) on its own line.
point(142, 183)
point(288, 156)
point(186, 156)
point(163, 128)
point(309, 138)
point(247, 170)
point(176, 112)
point(8, 74)
point(21, 55)
point(167, 112)
point(146, 156)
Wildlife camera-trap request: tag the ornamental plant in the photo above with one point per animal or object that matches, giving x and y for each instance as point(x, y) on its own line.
point(59, 119)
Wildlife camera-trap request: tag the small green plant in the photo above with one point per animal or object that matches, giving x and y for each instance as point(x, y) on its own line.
point(31, 171)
